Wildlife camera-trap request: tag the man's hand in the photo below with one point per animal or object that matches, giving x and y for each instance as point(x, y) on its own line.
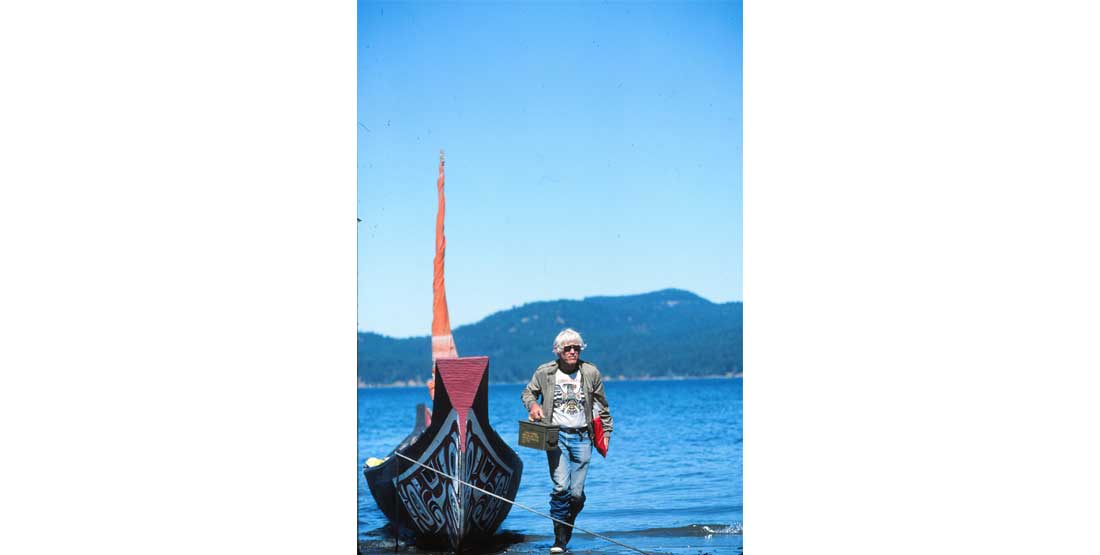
point(607, 440)
point(535, 412)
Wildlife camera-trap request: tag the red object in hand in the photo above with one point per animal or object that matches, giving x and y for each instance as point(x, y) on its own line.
point(599, 439)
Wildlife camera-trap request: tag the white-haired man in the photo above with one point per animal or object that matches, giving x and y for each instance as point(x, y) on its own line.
point(565, 392)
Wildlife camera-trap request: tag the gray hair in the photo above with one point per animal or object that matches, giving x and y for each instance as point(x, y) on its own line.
point(567, 335)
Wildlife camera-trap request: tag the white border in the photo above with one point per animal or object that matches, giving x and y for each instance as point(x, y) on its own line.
point(177, 218)
point(921, 278)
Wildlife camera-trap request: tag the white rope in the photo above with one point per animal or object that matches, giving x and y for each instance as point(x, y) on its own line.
point(520, 505)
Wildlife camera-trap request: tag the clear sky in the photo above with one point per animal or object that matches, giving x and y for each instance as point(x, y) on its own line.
point(592, 149)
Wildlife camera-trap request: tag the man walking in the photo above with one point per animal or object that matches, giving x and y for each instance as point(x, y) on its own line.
point(564, 392)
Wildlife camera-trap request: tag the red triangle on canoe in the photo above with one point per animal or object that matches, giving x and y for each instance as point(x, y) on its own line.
point(462, 376)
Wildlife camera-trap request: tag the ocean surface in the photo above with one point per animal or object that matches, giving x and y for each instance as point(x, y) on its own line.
point(671, 482)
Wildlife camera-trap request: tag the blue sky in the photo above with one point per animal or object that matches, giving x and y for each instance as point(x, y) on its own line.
point(592, 149)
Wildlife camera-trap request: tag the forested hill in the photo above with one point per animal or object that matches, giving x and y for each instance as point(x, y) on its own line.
point(665, 333)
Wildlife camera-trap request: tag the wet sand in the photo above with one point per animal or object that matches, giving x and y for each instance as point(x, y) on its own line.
point(655, 542)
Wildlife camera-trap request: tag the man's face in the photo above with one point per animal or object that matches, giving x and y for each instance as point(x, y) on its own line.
point(570, 353)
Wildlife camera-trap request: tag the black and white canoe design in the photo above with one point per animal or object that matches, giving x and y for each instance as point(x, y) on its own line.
point(458, 442)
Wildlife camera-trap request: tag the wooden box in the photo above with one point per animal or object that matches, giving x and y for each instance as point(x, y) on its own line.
point(537, 435)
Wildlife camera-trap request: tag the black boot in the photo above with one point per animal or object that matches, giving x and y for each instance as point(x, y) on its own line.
point(569, 529)
point(575, 507)
point(560, 538)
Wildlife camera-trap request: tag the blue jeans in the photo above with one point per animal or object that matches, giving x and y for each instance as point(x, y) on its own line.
point(568, 467)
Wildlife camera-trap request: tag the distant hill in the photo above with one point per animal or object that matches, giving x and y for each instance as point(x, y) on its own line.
point(664, 333)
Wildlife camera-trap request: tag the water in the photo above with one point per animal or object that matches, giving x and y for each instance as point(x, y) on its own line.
point(671, 482)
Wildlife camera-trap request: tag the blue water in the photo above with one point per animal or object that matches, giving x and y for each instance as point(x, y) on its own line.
point(671, 482)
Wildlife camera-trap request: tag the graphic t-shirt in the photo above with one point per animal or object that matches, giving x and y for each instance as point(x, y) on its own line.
point(569, 400)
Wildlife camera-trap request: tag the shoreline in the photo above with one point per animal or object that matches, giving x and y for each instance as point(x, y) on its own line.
point(422, 383)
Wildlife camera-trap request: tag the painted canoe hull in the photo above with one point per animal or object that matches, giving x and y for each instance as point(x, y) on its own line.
point(458, 442)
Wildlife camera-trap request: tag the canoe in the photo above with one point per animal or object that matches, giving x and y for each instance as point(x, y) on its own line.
point(422, 417)
point(460, 443)
point(421, 487)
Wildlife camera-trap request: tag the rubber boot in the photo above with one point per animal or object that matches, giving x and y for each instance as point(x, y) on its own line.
point(560, 538)
point(569, 529)
point(574, 510)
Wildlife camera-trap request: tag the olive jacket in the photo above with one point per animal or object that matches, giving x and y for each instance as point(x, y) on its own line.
point(542, 385)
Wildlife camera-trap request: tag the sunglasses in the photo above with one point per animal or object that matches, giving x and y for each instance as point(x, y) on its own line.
point(568, 348)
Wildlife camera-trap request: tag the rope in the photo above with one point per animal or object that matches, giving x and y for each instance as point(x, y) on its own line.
point(521, 505)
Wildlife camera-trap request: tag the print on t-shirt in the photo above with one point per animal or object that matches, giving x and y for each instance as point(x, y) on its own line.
point(569, 402)
point(569, 398)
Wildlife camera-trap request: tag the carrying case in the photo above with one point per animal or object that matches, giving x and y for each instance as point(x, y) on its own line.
point(537, 435)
